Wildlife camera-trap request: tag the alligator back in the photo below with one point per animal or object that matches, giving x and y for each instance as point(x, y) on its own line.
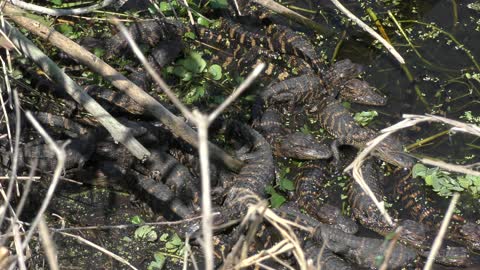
point(340, 123)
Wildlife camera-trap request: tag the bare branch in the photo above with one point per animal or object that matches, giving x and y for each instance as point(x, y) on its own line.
point(369, 30)
point(60, 12)
point(119, 132)
point(437, 243)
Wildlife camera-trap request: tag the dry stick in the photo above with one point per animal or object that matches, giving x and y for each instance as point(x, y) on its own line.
point(437, 243)
point(175, 124)
point(369, 30)
point(16, 149)
point(450, 167)
point(48, 245)
point(61, 156)
point(126, 226)
point(101, 249)
point(119, 132)
point(356, 165)
point(60, 12)
point(276, 7)
point(388, 253)
point(18, 246)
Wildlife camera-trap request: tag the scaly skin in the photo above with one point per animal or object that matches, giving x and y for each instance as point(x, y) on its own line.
point(362, 250)
point(78, 151)
point(248, 187)
point(413, 196)
point(338, 122)
point(310, 193)
point(328, 259)
point(293, 145)
point(363, 208)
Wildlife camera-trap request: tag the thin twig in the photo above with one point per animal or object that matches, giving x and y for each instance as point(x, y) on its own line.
point(390, 248)
point(118, 131)
point(369, 30)
point(103, 250)
point(48, 245)
point(126, 226)
point(18, 246)
point(60, 12)
point(61, 156)
point(437, 243)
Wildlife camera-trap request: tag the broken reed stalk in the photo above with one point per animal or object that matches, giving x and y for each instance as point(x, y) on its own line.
point(61, 156)
point(119, 132)
point(437, 243)
point(60, 12)
point(48, 245)
point(290, 14)
point(77, 52)
point(369, 30)
point(99, 248)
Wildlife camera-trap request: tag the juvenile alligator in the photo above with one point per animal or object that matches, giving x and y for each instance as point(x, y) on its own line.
point(363, 251)
point(414, 198)
point(286, 144)
point(310, 195)
point(324, 258)
point(78, 151)
point(248, 187)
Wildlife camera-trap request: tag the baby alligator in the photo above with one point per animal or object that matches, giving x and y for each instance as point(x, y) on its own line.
point(362, 250)
point(293, 145)
point(413, 196)
point(310, 194)
point(248, 186)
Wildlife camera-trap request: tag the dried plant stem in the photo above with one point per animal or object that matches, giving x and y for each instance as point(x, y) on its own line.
point(60, 12)
point(356, 166)
point(103, 250)
point(437, 243)
point(48, 245)
point(61, 156)
point(119, 132)
point(276, 7)
point(369, 30)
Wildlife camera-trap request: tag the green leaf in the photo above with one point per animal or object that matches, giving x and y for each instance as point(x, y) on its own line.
point(99, 52)
point(146, 232)
point(190, 35)
point(219, 4)
point(276, 200)
point(305, 130)
point(182, 73)
point(158, 263)
point(194, 63)
point(216, 72)
point(136, 220)
point(202, 21)
point(419, 170)
point(286, 184)
point(176, 240)
point(346, 105)
point(465, 182)
point(364, 118)
point(65, 29)
point(429, 180)
point(165, 6)
point(56, 2)
point(269, 190)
